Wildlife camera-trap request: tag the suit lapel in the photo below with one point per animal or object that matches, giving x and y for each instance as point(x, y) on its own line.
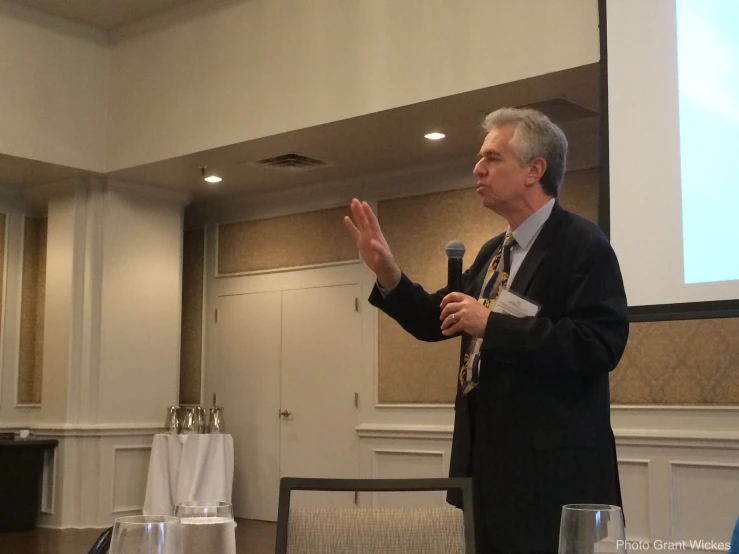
point(527, 271)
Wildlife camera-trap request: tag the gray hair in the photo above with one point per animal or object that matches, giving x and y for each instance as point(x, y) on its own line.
point(535, 137)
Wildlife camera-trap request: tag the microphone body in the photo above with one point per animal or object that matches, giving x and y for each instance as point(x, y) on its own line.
point(455, 252)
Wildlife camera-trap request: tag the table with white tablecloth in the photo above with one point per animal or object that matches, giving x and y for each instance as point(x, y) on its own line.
point(188, 467)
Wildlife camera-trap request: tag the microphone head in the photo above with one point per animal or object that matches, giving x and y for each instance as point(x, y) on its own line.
point(455, 250)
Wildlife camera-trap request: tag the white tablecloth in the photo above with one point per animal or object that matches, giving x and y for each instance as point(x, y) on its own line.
point(188, 467)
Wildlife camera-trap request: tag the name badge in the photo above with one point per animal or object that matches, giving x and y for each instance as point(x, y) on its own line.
point(511, 303)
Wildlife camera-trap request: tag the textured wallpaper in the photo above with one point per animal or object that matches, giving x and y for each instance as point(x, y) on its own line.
point(191, 345)
point(291, 241)
point(679, 362)
point(30, 364)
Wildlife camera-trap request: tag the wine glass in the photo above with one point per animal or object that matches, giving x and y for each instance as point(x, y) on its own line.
point(591, 529)
point(207, 526)
point(146, 535)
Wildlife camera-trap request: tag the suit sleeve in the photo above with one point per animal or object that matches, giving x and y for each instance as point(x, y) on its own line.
point(413, 308)
point(592, 335)
point(418, 311)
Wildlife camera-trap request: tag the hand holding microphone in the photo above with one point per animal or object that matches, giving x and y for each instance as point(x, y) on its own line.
point(460, 312)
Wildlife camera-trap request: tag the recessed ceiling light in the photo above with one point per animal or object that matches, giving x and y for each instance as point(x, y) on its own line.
point(435, 136)
point(210, 178)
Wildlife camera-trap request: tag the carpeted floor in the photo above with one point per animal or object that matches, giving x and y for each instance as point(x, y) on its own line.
point(252, 537)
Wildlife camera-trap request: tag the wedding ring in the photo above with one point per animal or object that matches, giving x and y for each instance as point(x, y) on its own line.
point(454, 319)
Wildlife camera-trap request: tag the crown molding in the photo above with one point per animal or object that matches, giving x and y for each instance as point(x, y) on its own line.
point(54, 22)
point(110, 37)
point(165, 19)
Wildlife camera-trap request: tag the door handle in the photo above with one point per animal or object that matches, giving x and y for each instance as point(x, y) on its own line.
point(284, 413)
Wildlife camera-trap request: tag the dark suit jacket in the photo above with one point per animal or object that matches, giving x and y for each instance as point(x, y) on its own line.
point(535, 434)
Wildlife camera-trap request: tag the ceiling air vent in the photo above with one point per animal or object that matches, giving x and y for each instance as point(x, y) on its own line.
point(294, 162)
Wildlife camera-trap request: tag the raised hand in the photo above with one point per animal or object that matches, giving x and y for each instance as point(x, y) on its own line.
point(373, 248)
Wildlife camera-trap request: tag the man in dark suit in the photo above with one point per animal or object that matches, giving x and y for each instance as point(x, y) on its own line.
point(532, 412)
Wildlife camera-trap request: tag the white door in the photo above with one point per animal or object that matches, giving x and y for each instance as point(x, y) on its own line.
point(321, 350)
point(247, 382)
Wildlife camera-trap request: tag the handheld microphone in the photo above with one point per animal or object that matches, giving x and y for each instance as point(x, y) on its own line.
point(454, 252)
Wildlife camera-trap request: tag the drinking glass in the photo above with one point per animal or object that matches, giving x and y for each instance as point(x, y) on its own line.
point(207, 527)
point(591, 529)
point(146, 535)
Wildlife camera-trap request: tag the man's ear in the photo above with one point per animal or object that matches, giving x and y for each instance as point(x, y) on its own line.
point(537, 168)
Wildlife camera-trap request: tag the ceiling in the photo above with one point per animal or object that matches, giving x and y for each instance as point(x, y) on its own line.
point(22, 174)
point(381, 142)
point(109, 15)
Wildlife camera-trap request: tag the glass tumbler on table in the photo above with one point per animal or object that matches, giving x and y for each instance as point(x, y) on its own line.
point(146, 535)
point(591, 529)
point(207, 527)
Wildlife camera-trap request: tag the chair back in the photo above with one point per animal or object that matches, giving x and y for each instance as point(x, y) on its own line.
point(434, 530)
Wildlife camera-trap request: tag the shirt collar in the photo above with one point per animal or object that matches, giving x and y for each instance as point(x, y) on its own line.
point(526, 232)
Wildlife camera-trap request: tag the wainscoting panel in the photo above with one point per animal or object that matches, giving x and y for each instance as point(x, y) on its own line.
point(705, 500)
point(404, 452)
point(634, 475)
point(403, 464)
point(677, 484)
point(48, 483)
point(130, 469)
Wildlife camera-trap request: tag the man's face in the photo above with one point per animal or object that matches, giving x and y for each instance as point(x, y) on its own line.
point(501, 180)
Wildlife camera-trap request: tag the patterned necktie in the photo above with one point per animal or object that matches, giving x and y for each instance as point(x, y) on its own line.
point(469, 373)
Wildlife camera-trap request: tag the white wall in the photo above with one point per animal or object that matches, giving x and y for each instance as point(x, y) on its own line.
point(140, 307)
point(54, 92)
point(59, 307)
point(260, 67)
point(113, 305)
point(253, 68)
point(111, 345)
